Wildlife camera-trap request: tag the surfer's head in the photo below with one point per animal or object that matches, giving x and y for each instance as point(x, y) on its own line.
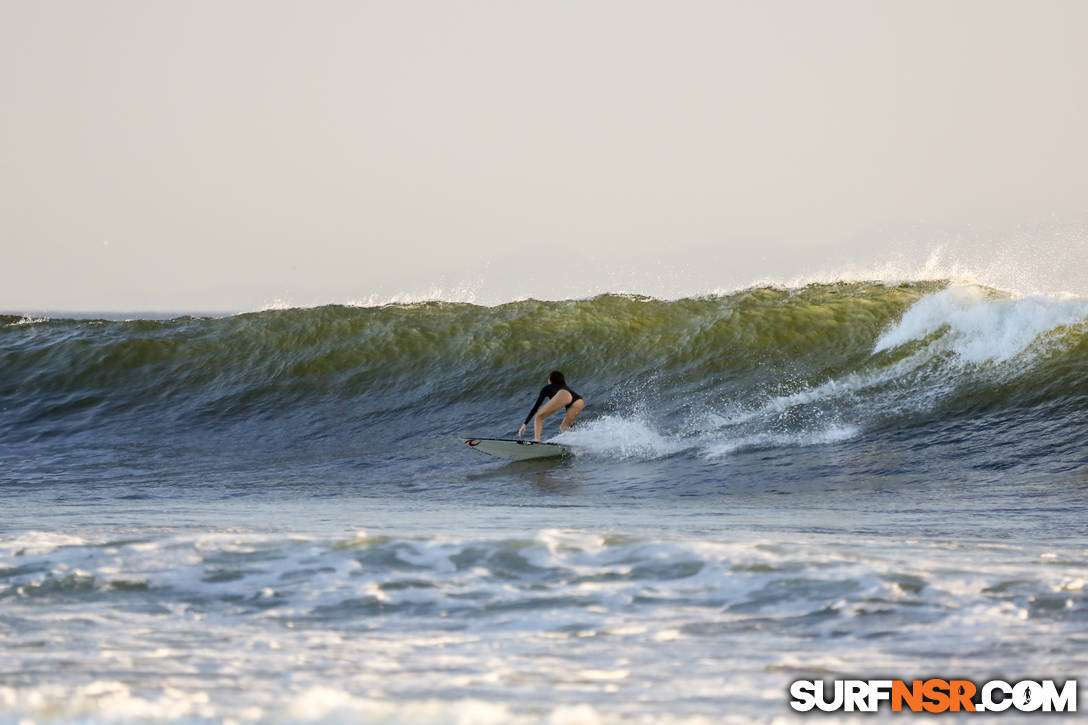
point(556, 378)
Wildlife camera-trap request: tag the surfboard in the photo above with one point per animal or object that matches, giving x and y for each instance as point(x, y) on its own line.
point(515, 449)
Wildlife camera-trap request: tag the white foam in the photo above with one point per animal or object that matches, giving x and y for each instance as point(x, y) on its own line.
point(830, 434)
point(333, 706)
point(28, 320)
point(897, 269)
point(113, 702)
point(614, 436)
point(961, 326)
point(633, 438)
point(1014, 266)
point(560, 626)
point(467, 294)
point(276, 305)
point(981, 328)
point(35, 543)
point(1006, 270)
point(1014, 269)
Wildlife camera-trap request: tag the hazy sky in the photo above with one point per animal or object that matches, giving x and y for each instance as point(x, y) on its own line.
point(222, 155)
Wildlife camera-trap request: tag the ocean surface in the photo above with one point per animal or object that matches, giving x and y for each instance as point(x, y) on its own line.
point(268, 518)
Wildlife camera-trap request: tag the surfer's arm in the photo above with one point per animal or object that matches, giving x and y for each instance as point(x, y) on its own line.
point(536, 406)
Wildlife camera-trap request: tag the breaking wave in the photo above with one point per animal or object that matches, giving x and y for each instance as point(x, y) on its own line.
point(761, 367)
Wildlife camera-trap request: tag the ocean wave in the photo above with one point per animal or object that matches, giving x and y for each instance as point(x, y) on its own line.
point(592, 620)
point(793, 365)
point(550, 572)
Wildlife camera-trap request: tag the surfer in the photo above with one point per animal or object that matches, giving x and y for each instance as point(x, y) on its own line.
point(561, 397)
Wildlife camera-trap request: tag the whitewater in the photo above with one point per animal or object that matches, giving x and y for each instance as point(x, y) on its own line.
point(267, 517)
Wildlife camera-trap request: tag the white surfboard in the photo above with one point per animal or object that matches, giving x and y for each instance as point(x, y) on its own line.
point(515, 449)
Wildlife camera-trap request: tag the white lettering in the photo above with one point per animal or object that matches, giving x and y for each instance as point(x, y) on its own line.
point(821, 697)
point(804, 695)
point(1064, 701)
point(879, 690)
point(1027, 696)
point(856, 695)
point(988, 702)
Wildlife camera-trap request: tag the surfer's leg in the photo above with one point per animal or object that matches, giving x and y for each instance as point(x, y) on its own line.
point(572, 414)
point(561, 400)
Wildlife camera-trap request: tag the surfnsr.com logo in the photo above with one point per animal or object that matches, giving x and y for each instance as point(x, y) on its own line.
point(933, 695)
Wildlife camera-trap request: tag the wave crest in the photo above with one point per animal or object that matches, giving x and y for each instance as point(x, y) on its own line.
point(762, 365)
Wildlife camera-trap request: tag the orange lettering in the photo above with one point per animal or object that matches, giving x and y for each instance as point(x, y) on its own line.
point(912, 695)
point(961, 692)
point(937, 692)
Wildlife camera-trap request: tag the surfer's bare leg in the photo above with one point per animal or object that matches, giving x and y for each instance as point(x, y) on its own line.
point(572, 415)
point(561, 399)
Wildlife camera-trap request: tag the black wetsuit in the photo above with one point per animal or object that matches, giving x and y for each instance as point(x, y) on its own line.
point(549, 391)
